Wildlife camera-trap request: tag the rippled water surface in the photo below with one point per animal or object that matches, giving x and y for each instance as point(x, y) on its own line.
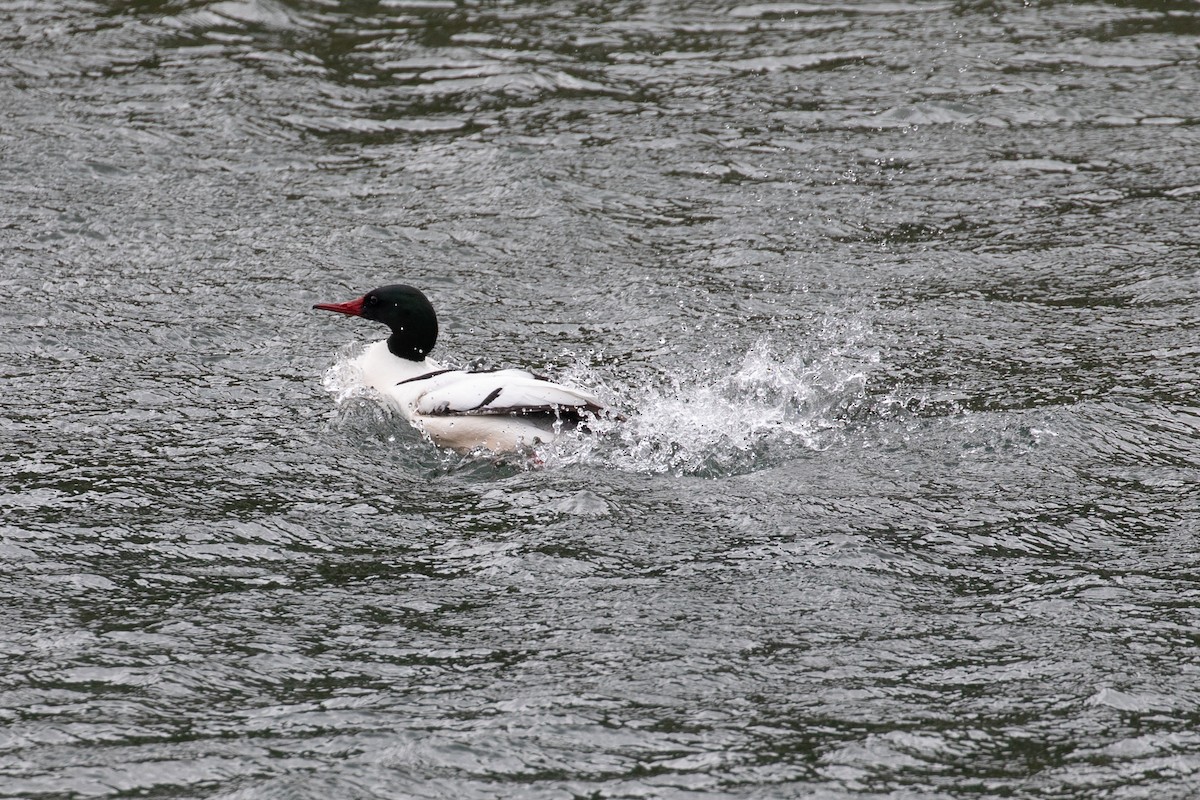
point(899, 300)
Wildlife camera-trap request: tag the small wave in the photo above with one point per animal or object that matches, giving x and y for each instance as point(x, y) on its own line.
point(360, 411)
point(801, 61)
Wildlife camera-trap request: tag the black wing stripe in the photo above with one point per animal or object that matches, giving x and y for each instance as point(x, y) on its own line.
point(552, 411)
point(491, 396)
point(426, 376)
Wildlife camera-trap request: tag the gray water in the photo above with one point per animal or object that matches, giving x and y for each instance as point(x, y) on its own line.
point(899, 300)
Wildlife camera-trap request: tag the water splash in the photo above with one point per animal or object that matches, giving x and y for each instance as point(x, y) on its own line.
point(720, 416)
point(767, 406)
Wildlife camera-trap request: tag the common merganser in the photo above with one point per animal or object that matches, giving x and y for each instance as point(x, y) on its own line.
point(500, 410)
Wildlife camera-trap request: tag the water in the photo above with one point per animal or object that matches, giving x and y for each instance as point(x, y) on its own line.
point(899, 300)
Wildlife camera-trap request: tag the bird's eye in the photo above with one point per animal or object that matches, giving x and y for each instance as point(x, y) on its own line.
point(371, 300)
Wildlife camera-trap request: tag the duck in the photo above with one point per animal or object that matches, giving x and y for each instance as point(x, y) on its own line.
point(500, 410)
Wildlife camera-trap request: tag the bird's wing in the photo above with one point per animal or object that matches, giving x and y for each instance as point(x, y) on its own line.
point(505, 391)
